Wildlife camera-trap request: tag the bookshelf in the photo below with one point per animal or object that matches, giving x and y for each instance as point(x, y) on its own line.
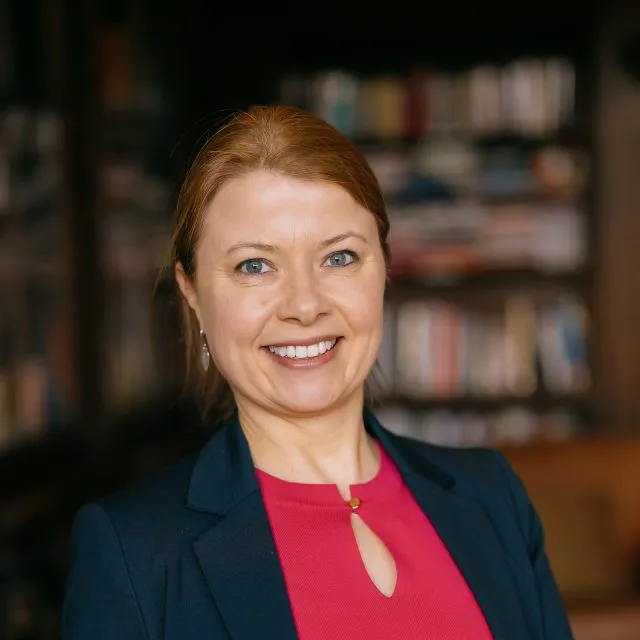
point(37, 391)
point(85, 212)
point(85, 202)
point(134, 224)
point(484, 169)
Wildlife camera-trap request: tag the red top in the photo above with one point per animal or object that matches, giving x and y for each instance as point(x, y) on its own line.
point(331, 593)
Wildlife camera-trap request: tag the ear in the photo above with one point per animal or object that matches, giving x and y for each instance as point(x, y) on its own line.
point(187, 289)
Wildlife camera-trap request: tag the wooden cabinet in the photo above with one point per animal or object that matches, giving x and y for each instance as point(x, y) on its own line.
point(587, 493)
point(617, 288)
point(615, 623)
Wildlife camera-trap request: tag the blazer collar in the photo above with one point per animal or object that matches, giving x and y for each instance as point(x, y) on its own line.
point(224, 473)
point(239, 559)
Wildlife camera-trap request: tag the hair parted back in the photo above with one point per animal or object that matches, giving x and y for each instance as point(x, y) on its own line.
point(283, 139)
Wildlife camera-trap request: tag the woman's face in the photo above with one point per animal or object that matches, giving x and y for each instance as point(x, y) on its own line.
point(290, 280)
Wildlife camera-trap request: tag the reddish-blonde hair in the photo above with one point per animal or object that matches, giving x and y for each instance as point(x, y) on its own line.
point(282, 139)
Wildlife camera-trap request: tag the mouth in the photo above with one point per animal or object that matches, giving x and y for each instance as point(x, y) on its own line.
point(302, 352)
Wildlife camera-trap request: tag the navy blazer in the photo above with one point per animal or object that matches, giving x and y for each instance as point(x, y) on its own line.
point(189, 555)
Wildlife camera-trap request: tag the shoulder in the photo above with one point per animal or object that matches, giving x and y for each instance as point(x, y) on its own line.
point(163, 492)
point(480, 473)
point(151, 514)
point(462, 464)
point(121, 549)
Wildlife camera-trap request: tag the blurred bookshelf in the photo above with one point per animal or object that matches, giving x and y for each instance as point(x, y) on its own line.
point(484, 170)
point(137, 120)
point(34, 394)
point(36, 383)
point(85, 214)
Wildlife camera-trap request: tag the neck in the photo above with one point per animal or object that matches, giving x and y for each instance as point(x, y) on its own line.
point(331, 447)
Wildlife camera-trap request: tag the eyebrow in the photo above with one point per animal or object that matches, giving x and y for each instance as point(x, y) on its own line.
point(271, 248)
point(343, 236)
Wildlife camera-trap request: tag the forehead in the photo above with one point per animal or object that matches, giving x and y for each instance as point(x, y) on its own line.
point(273, 206)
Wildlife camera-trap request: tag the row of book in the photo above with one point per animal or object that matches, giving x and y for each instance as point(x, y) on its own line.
point(509, 425)
point(36, 380)
point(133, 370)
point(31, 161)
point(135, 146)
point(436, 241)
point(448, 167)
point(135, 224)
point(527, 97)
point(35, 377)
point(437, 350)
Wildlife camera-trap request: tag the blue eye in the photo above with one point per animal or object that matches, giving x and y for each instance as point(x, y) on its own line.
point(253, 267)
point(341, 259)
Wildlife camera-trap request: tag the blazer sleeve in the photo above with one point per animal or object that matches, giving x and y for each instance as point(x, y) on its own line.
point(554, 617)
point(100, 603)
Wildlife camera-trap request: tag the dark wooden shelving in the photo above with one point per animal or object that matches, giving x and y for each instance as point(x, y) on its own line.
point(536, 401)
point(521, 280)
point(572, 138)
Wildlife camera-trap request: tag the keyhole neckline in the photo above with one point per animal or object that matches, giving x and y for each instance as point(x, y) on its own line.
point(381, 488)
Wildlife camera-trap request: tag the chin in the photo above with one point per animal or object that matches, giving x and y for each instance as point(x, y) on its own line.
point(309, 402)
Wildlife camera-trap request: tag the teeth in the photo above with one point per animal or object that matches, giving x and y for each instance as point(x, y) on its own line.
point(298, 353)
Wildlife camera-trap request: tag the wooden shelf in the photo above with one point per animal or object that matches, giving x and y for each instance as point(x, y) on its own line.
point(570, 138)
point(491, 280)
point(538, 401)
point(587, 494)
point(616, 622)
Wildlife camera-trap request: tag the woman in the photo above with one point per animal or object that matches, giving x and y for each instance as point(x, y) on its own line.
point(302, 516)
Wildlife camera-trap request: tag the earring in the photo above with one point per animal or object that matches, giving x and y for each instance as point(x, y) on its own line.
point(205, 354)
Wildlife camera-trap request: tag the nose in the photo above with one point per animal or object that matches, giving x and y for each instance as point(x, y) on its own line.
point(302, 301)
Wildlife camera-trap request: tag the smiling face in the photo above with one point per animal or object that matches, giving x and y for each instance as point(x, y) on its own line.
point(289, 289)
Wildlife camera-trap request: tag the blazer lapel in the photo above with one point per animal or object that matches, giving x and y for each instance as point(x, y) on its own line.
point(475, 547)
point(469, 536)
point(241, 567)
point(237, 555)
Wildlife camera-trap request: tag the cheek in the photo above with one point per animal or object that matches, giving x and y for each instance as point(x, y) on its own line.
point(363, 305)
point(235, 317)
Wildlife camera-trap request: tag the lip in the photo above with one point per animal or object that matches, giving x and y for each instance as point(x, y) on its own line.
point(303, 343)
point(306, 364)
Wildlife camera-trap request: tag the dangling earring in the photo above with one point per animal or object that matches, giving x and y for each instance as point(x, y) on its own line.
point(205, 354)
